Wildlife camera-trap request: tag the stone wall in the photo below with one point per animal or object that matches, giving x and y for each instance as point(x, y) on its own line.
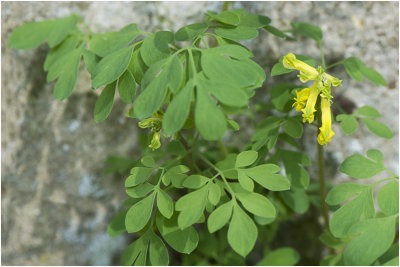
point(56, 202)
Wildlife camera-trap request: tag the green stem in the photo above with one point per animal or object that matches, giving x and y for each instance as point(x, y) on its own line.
point(339, 107)
point(225, 6)
point(335, 64)
point(321, 171)
point(322, 55)
point(220, 174)
point(222, 148)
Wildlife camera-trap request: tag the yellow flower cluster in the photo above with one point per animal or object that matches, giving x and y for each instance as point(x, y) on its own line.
point(306, 99)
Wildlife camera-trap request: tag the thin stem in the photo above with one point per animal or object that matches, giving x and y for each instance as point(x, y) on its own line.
point(220, 173)
point(339, 107)
point(225, 6)
point(322, 55)
point(190, 154)
point(222, 148)
point(335, 64)
point(384, 180)
point(392, 173)
point(321, 170)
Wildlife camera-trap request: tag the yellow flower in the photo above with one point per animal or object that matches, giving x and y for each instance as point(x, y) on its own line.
point(301, 98)
point(326, 132)
point(308, 111)
point(155, 141)
point(307, 72)
point(155, 124)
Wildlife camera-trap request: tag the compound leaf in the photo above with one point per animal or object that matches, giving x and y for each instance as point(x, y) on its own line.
point(348, 123)
point(30, 35)
point(191, 207)
point(165, 204)
point(378, 128)
point(155, 47)
point(246, 158)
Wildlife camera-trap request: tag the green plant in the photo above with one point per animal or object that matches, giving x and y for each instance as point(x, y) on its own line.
point(188, 190)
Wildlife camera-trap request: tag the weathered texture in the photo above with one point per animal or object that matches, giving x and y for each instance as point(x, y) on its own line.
point(56, 203)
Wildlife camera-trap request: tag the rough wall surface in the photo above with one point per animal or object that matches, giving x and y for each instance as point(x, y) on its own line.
point(56, 202)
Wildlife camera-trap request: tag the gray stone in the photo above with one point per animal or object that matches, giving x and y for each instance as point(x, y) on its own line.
point(56, 202)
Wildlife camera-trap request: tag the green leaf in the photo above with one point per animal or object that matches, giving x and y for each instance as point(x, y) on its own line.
point(55, 53)
point(169, 76)
point(227, 17)
point(136, 253)
point(378, 128)
point(353, 66)
point(178, 110)
point(368, 111)
point(195, 181)
point(245, 181)
point(137, 66)
point(165, 204)
point(138, 176)
point(246, 158)
point(209, 120)
point(254, 21)
point(214, 193)
point(361, 206)
point(30, 35)
point(155, 47)
point(284, 256)
point(91, 60)
point(332, 260)
point(330, 241)
point(281, 97)
point(227, 166)
point(219, 217)
point(296, 199)
point(127, 87)
point(373, 76)
point(342, 192)
point(183, 241)
point(348, 123)
point(158, 252)
point(293, 127)
point(60, 29)
point(191, 207)
point(111, 67)
point(264, 175)
point(276, 31)
point(375, 154)
point(388, 198)
point(360, 167)
point(104, 103)
point(233, 125)
point(232, 50)
point(375, 237)
point(239, 33)
point(66, 69)
point(240, 73)
point(242, 232)
point(118, 164)
point(191, 31)
point(139, 214)
point(106, 43)
point(293, 162)
point(117, 224)
point(257, 204)
point(308, 30)
point(392, 262)
point(140, 190)
point(225, 92)
point(148, 161)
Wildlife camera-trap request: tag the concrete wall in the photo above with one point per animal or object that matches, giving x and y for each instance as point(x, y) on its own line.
point(56, 202)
